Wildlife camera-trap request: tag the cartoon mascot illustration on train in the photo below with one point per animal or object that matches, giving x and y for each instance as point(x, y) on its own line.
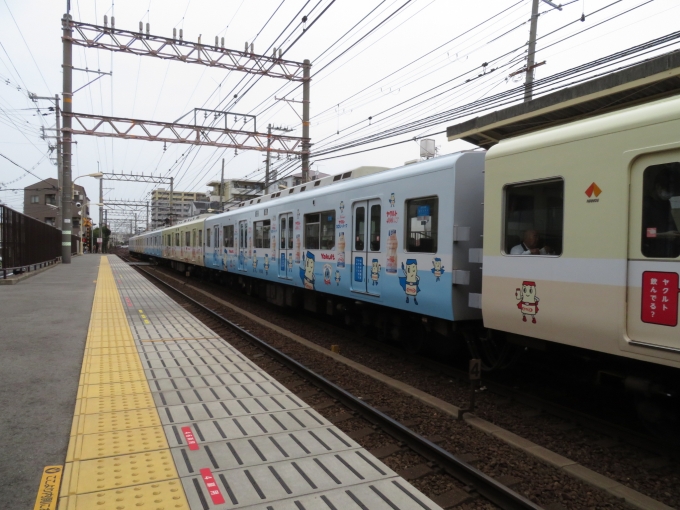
point(266, 263)
point(438, 268)
point(410, 281)
point(528, 301)
point(375, 271)
point(307, 271)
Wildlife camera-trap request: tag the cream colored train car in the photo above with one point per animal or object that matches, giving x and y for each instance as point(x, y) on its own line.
point(183, 243)
point(599, 200)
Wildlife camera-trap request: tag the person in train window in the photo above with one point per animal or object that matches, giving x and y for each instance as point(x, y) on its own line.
point(530, 245)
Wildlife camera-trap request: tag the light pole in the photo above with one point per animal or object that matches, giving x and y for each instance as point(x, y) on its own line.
point(83, 209)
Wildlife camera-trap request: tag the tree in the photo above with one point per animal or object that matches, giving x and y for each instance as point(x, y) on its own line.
point(105, 237)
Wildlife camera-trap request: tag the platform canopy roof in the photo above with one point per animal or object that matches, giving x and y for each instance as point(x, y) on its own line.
point(652, 79)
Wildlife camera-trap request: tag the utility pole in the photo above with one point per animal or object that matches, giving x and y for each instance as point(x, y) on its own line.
point(67, 185)
point(101, 199)
point(306, 65)
point(60, 167)
point(268, 161)
point(172, 192)
point(101, 230)
point(528, 85)
point(222, 188)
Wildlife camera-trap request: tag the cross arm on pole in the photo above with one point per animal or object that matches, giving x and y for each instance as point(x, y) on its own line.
point(168, 48)
point(136, 129)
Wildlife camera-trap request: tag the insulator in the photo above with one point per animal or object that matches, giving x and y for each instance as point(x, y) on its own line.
point(246, 46)
point(174, 33)
point(199, 38)
point(222, 42)
point(274, 53)
point(252, 48)
point(141, 27)
point(217, 40)
point(181, 34)
point(113, 22)
point(106, 20)
point(280, 53)
point(148, 28)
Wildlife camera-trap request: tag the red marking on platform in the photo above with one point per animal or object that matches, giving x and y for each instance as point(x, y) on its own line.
point(213, 488)
point(128, 302)
point(189, 436)
point(660, 298)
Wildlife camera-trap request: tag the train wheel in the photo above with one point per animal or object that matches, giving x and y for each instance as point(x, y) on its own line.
point(412, 338)
point(661, 418)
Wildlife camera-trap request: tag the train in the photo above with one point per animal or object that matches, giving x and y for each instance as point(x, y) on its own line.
point(566, 237)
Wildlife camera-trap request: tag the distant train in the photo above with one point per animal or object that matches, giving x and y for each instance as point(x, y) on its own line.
point(568, 236)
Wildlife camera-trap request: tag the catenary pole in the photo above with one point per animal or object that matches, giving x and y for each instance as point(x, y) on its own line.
point(67, 94)
point(60, 168)
point(528, 86)
point(172, 192)
point(306, 146)
point(268, 160)
point(222, 187)
point(101, 199)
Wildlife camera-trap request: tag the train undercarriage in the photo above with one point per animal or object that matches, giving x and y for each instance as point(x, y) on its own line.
point(651, 389)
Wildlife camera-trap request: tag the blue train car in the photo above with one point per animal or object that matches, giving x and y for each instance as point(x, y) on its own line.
point(374, 239)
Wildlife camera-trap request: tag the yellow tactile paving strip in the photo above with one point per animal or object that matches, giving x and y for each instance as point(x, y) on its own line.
point(118, 456)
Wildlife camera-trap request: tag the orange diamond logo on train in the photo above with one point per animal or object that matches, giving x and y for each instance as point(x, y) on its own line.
point(593, 189)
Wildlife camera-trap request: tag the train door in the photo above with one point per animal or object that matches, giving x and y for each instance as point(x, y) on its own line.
point(286, 224)
point(366, 246)
point(242, 244)
point(194, 244)
point(654, 251)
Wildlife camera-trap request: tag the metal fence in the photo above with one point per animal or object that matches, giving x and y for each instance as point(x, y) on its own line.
point(25, 241)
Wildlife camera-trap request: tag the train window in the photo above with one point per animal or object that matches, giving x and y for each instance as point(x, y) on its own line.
point(661, 211)
point(176, 238)
point(207, 238)
point(193, 238)
point(375, 228)
point(228, 236)
point(359, 225)
point(283, 233)
point(187, 239)
point(290, 232)
point(262, 229)
point(200, 238)
point(422, 220)
point(534, 213)
point(216, 233)
point(320, 231)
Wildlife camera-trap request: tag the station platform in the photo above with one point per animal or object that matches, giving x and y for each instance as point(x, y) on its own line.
point(168, 415)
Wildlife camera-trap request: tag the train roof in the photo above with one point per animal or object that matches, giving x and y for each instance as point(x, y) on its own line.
point(650, 80)
point(657, 112)
point(387, 176)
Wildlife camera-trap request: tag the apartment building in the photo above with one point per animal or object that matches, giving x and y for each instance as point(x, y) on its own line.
point(41, 201)
point(181, 205)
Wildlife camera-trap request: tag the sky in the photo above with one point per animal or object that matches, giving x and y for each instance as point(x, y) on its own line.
point(376, 65)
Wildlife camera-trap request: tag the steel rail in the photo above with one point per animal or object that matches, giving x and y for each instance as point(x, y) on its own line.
point(486, 486)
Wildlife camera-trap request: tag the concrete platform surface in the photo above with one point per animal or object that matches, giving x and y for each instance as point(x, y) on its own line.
point(163, 413)
point(43, 327)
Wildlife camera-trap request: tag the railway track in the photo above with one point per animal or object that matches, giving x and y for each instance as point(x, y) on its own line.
point(622, 433)
point(468, 475)
point(654, 476)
